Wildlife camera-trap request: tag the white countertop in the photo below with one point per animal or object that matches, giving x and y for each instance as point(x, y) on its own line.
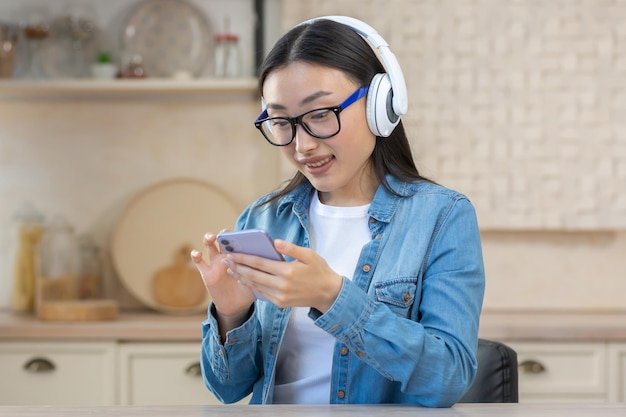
point(460, 410)
point(143, 326)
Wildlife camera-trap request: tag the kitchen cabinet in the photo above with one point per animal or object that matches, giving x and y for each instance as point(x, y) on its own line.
point(80, 373)
point(161, 374)
point(571, 371)
point(562, 371)
point(617, 372)
point(149, 358)
point(564, 355)
point(102, 373)
point(168, 372)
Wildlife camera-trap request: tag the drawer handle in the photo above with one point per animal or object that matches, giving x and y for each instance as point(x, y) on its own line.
point(194, 369)
point(39, 366)
point(532, 366)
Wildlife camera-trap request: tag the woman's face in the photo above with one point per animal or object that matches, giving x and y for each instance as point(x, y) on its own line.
point(338, 167)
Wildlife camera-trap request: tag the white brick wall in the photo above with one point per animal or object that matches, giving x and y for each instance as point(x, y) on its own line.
point(520, 104)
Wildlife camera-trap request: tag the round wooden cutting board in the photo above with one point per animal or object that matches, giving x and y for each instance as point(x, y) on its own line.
point(154, 231)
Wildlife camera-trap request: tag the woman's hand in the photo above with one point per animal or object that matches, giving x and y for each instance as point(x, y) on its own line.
point(306, 282)
point(232, 299)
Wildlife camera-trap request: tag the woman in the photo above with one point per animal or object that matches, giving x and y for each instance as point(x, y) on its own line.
point(380, 297)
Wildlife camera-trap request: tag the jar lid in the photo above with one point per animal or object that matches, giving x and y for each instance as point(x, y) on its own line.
point(28, 213)
point(58, 223)
point(226, 37)
point(87, 243)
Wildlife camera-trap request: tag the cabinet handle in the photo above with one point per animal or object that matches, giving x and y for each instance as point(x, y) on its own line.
point(194, 369)
point(39, 366)
point(532, 366)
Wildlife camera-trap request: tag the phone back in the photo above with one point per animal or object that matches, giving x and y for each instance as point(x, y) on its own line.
point(251, 241)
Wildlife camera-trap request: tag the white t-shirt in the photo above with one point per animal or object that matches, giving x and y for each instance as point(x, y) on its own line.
point(305, 359)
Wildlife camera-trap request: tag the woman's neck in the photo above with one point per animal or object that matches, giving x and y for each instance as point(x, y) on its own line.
point(358, 194)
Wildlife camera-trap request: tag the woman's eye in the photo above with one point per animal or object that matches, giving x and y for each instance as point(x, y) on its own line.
point(320, 115)
point(279, 123)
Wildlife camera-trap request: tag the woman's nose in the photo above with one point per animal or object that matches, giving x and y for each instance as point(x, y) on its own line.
point(304, 141)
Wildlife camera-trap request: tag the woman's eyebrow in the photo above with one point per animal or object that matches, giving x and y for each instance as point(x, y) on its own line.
point(315, 96)
point(304, 101)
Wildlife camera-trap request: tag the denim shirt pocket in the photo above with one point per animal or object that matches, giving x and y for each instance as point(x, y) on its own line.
point(398, 294)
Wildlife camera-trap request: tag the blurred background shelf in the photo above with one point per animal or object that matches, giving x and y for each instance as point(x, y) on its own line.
point(201, 88)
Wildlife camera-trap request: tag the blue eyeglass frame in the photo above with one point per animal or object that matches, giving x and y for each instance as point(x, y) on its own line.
point(353, 98)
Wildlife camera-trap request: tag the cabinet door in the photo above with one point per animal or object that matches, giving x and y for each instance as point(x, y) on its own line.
point(162, 374)
point(560, 371)
point(617, 369)
point(50, 373)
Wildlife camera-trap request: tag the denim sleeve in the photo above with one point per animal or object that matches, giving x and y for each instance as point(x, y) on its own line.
point(432, 356)
point(230, 369)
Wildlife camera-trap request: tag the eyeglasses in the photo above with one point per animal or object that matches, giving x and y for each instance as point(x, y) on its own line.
point(322, 123)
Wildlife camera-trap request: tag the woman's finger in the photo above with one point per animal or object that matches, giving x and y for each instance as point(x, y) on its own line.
point(293, 251)
point(209, 243)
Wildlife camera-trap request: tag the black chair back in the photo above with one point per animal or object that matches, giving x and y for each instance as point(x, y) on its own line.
point(496, 379)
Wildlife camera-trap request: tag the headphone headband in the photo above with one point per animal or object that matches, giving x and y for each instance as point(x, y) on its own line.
point(392, 66)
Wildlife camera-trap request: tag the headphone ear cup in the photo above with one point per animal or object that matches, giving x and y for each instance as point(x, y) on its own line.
point(381, 117)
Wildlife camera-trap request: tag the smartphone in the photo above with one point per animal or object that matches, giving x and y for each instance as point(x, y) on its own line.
point(252, 242)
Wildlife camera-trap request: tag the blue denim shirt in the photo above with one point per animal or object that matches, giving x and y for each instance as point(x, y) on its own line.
point(406, 325)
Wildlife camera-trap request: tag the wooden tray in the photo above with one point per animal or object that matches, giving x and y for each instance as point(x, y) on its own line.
point(79, 310)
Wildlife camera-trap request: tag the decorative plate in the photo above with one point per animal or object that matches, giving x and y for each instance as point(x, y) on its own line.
point(172, 37)
point(152, 239)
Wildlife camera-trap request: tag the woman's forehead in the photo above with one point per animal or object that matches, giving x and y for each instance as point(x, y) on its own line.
point(300, 81)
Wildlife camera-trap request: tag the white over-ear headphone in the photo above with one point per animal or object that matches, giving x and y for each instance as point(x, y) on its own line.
point(387, 96)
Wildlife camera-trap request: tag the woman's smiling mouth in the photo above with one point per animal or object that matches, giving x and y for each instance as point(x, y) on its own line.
point(317, 166)
point(318, 163)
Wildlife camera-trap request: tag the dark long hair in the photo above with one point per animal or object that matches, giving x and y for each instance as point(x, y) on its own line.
point(332, 44)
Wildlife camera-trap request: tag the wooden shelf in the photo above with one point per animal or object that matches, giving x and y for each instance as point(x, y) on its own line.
point(198, 88)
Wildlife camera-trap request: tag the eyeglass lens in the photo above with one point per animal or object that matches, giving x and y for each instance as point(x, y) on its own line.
point(320, 123)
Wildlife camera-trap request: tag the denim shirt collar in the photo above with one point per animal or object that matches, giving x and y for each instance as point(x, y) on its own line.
point(382, 208)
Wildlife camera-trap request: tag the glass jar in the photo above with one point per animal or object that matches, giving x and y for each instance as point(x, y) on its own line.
point(227, 56)
point(24, 236)
point(132, 66)
point(90, 276)
point(59, 263)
